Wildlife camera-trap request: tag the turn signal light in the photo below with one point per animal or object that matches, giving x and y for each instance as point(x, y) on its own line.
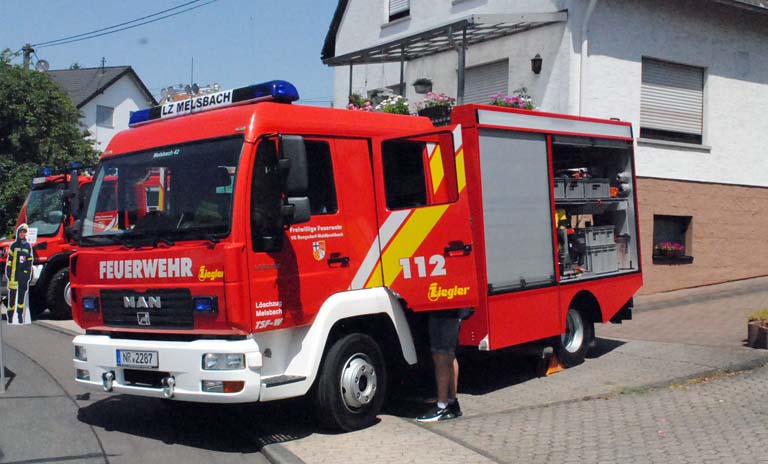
point(223, 386)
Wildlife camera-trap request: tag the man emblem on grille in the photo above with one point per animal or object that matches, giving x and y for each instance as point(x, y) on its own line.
point(143, 318)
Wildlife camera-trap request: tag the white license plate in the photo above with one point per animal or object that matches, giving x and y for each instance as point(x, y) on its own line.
point(129, 358)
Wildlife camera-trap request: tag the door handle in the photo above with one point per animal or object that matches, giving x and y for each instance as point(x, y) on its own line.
point(458, 248)
point(336, 260)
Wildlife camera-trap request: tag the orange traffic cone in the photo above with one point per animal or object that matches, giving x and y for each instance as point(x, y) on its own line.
point(555, 366)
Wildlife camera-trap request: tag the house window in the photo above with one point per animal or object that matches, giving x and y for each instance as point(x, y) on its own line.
point(672, 102)
point(480, 82)
point(672, 239)
point(105, 116)
point(399, 9)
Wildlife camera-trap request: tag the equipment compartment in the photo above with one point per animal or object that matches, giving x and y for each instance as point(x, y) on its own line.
point(595, 207)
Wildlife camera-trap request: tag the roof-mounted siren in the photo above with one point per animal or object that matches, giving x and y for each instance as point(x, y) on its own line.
point(276, 91)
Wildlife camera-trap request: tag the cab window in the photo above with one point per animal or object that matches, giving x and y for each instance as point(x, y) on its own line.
point(419, 172)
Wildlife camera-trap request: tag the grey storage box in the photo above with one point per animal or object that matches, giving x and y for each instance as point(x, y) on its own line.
point(601, 259)
point(574, 188)
point(597, 188)
point(597, 236)
point(559, 188)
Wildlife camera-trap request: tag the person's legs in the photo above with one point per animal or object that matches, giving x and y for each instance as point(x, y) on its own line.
point(21, 297)
point(443, 337)
point(11, 304)
point(444, 377)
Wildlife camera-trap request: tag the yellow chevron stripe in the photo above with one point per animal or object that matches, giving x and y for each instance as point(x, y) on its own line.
point(436, 168)
point(408, 240)
point(461, 174)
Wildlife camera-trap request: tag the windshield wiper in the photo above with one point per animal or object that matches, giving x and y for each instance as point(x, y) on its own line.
point(140, 239)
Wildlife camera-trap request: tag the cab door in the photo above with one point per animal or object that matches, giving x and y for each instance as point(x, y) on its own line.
point(313, 260)
point(427, 249)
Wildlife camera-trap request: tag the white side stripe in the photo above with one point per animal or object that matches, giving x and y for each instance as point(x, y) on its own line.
point(386, 232)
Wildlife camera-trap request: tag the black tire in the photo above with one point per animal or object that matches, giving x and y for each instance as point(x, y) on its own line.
point(37, 303)
point(56, 297)
point(351, 384)
point(571, 348)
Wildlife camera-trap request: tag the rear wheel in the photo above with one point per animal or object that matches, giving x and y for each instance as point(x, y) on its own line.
point(572, 346)
point(351, 384)
point(58, 297)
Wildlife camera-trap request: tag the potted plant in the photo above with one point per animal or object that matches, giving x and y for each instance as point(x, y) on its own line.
point(395, 104)
point(358, 103)
point(670, 249)
point(757, 329)
point(422, 85)
point(437, 107)
point(518, 99)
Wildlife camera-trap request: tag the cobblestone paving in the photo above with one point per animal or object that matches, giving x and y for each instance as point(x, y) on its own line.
point(723, 420)
point(392, 440)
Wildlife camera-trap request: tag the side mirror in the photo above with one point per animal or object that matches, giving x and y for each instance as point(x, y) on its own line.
point(293, 163)
point(73, 232)
point(296, 210)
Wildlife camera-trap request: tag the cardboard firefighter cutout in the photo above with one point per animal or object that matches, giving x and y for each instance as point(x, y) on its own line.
point(18, 271)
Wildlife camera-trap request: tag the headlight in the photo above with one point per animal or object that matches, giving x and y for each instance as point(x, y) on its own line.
point(80, 353)
point(223, 361)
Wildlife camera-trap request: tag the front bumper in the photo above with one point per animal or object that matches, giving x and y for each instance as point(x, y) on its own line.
point(180, 360)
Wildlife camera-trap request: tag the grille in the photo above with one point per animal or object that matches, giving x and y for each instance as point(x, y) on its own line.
point(176, 311)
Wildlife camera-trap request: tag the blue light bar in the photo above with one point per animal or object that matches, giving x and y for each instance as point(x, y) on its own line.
point(46, 171)
point(277, 91)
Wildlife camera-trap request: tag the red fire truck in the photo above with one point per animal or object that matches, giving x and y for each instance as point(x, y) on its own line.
point(298, 248)
point(48, 210)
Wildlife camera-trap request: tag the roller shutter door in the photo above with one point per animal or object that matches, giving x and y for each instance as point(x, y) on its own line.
point(672, 97)
point(480, 82)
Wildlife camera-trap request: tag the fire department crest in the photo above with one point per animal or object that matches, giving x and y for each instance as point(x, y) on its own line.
point(318, 249)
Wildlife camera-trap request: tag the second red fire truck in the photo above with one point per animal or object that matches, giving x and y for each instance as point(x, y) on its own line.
point(297, 248)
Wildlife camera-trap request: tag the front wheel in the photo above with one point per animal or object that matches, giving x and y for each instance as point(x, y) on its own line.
point(58, 296)
point(572, 346)
point(351, 384)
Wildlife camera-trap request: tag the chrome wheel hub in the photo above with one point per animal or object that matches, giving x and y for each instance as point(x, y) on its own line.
point(573, 338)
point(358, 381)
point(68, 295)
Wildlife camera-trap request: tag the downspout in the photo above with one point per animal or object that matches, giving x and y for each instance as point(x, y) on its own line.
point(583, 52)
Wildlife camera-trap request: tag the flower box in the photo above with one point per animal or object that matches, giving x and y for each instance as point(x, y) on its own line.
point(440, 115)
point(757, 335)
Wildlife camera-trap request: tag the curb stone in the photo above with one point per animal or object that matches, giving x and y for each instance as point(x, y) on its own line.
point(278, 454)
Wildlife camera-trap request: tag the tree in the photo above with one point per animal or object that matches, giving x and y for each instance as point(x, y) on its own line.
point(39, 126)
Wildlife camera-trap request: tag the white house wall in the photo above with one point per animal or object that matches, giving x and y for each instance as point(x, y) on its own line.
point(363, 17)
point(728, 42)
point(124, 96)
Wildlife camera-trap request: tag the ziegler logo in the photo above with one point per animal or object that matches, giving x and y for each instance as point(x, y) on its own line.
point(209, 274)
point(436, 292)
point(142, 302)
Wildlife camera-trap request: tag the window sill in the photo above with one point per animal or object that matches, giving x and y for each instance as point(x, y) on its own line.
point(661, 259)
point(395, 22)
point(669, 144)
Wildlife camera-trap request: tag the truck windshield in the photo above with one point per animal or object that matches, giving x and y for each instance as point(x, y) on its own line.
point(44, 209)
point(179, 192)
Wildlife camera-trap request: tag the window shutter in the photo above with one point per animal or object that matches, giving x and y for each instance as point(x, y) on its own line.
point(672, 97)
point(480, 82)
point(398, 6)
